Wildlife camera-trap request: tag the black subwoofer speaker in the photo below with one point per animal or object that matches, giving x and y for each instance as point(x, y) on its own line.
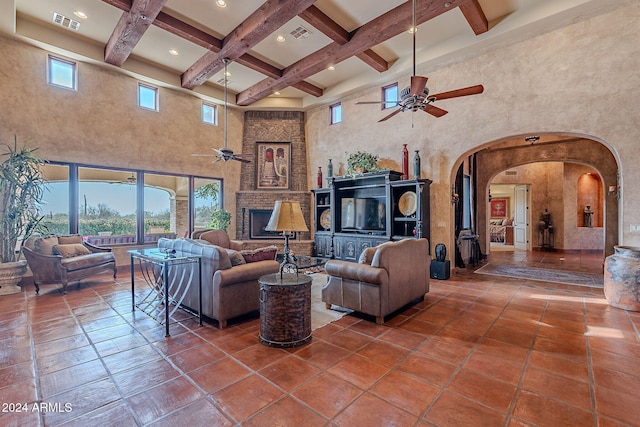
point(440, 269)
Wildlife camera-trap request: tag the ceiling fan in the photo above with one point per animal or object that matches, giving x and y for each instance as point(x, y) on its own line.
point(226, 153)
point(416, 97)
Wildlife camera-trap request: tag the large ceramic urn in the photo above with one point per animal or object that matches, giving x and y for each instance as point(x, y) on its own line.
point(622, 278)
point(10, 275)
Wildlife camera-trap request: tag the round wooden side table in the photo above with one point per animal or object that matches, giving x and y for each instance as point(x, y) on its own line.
point(285, 309)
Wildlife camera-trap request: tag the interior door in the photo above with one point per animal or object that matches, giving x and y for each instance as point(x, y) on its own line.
point(521, 218)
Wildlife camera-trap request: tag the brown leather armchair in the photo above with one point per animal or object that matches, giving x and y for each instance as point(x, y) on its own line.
point(218, 238)
point(64, 259)
point(388, 277)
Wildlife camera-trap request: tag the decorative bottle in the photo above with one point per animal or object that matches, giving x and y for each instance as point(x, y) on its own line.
point(416, 165)
point(329, 169)
point(319, 176)
point(405, 162)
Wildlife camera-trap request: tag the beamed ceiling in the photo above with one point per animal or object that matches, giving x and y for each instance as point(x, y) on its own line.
point(366, 41)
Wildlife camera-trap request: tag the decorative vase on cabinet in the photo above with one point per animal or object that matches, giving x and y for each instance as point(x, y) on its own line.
point(416, 165)
point(405, 162)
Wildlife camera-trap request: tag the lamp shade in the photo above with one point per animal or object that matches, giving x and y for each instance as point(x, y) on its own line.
point(286, 216)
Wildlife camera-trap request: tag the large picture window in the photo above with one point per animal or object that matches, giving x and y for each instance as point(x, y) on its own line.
point(118, 207)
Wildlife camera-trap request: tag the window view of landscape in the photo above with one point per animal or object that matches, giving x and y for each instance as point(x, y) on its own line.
point(107, 203)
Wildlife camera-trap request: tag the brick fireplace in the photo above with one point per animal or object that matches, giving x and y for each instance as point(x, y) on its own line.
point(254, 205)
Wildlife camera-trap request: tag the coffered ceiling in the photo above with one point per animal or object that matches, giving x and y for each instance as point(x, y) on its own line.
point(181, 43)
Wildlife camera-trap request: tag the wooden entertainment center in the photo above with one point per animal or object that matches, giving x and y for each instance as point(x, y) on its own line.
point(354, 213)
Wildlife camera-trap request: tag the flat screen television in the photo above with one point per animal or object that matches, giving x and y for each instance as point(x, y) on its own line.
point(363, 213)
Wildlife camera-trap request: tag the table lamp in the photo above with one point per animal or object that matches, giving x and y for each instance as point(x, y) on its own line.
point(287, 217)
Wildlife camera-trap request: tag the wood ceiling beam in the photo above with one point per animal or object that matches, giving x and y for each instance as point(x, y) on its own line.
point(475, 17)
point(188, 32)
point(370, 34)
point(330, 28)
point(259, 25)
point(130, 28)
point(327, 26)
point(209, 42)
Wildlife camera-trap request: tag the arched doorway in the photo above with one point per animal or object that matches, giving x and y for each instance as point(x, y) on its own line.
point(484, 163)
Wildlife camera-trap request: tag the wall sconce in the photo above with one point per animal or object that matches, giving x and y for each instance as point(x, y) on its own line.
point(455, 197)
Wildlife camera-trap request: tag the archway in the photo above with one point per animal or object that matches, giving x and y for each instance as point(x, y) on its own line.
point(487, 161)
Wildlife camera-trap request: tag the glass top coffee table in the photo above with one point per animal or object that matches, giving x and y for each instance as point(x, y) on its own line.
point(306, 264)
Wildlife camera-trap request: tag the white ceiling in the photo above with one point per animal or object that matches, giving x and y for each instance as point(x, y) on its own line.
point(446, 38)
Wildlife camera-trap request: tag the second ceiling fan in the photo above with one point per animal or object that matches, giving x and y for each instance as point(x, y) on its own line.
point(416, 97)
point(225, 153)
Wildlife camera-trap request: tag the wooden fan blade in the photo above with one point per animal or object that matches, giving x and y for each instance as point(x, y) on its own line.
point(390, 115)
point(418, 83)
point(241, 159)
point(244, 158)
point(434, 111)
point(471, 90)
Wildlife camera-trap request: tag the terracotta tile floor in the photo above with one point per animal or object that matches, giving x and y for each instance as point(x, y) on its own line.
point(478, 351)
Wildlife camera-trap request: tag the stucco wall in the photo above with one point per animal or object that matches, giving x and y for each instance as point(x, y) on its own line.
point(101, 124)
point(581, 80)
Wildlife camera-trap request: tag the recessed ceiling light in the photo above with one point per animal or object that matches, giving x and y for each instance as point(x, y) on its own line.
point(412, 30)
point(276, 93)
point(80, 14)
point(174, 52)
point(280, 38)
point(447, 4)
point(331, 68)
point(221, 3)
point(228, 74)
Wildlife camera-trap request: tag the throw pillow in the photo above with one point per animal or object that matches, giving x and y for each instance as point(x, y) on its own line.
point(44, 245)
point(260, 254)
point(67, 240)
point(70, 250)
point(367, 255)
point(235, 257)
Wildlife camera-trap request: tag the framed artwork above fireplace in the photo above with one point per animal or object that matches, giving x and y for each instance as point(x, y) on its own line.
point(273, 165)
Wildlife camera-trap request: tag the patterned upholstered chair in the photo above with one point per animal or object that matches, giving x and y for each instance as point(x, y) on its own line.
point(63, 259)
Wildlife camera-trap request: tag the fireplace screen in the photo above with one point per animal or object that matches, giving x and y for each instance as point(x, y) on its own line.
point(258, 220)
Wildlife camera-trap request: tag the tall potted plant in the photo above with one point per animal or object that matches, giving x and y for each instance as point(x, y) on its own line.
point(21, 191)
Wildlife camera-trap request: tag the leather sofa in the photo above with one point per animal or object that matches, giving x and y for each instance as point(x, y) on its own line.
point(228, 290)
point(388, 277)
point(64, 259)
